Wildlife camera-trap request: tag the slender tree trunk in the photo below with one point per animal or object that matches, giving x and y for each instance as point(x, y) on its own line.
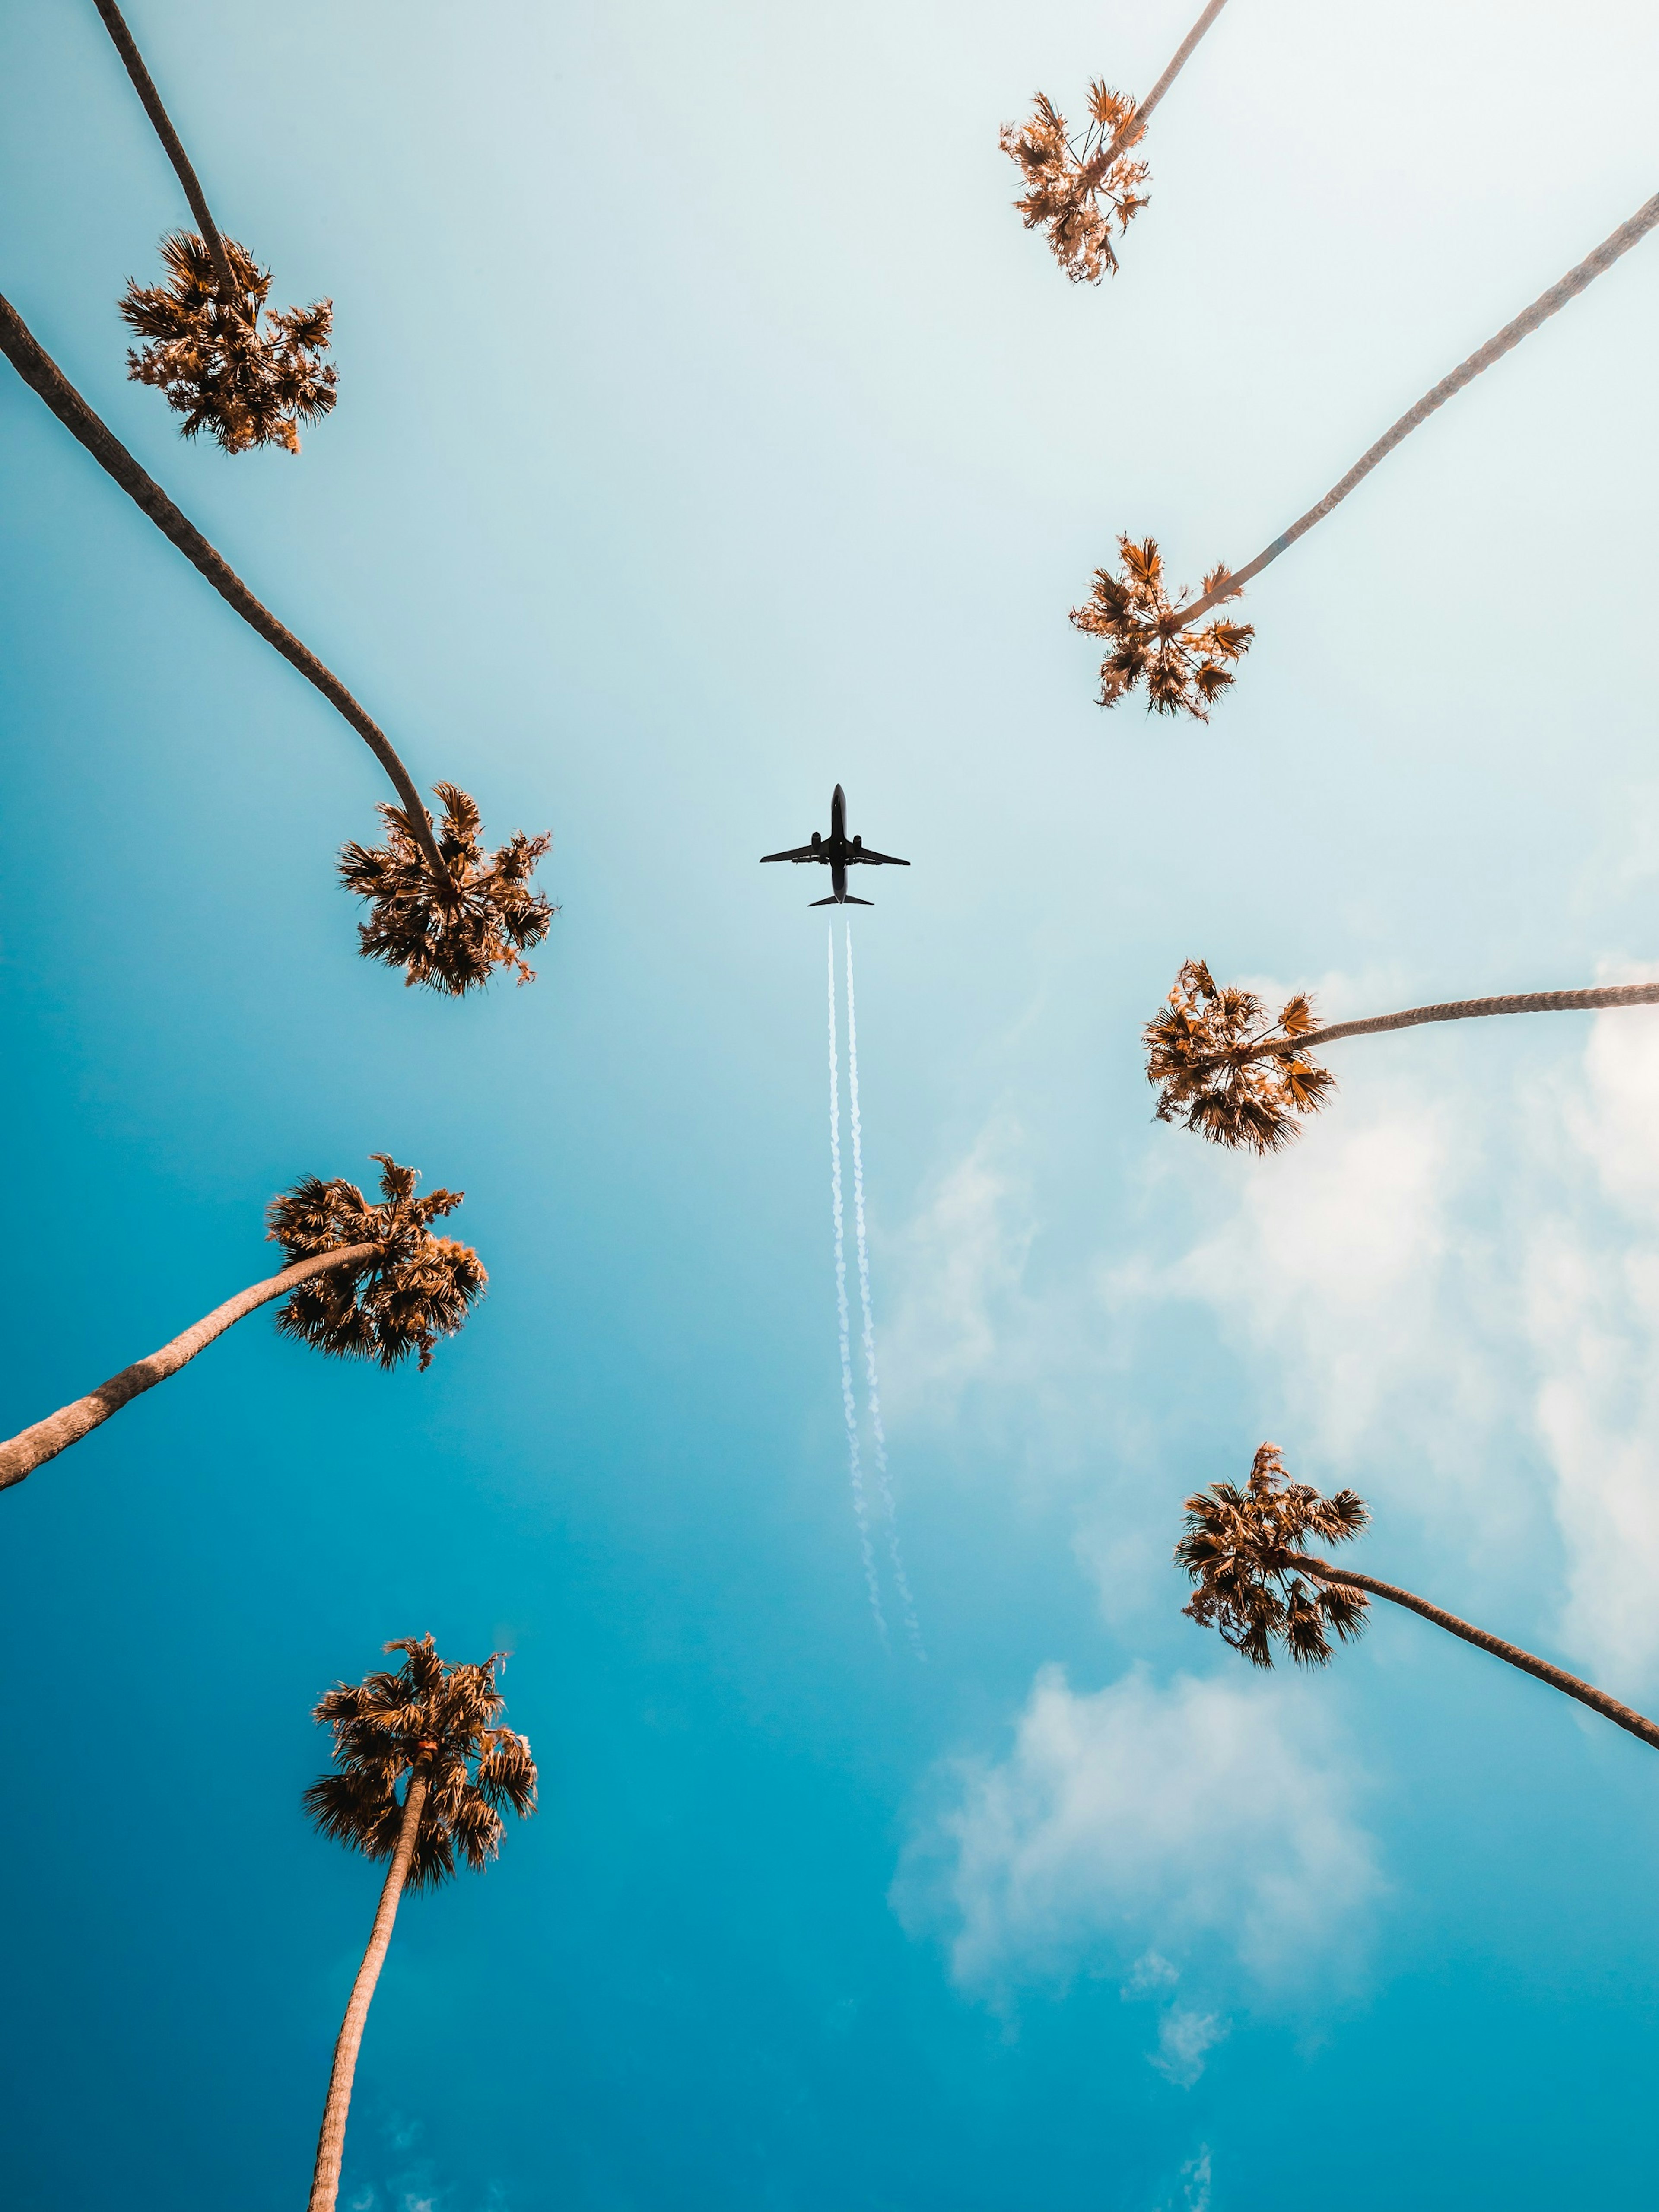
point(1137, 123)
point(1557, 1677)
point(330, 2141)
point(144, 85)
point(39, 371)
point(1461, 1009)
point(1542, 308)
point(32, 1447)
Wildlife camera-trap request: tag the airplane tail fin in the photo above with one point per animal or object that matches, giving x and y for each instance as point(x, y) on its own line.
point(846, 899)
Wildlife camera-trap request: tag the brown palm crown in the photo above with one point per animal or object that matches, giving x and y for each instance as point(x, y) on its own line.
point(1075, 192)
point(1152, 639)
point(1241, 1548)
point(437, 1719)
point(217, 367)
point(450, 935)
point(1204, 1052)
point(414, 1289)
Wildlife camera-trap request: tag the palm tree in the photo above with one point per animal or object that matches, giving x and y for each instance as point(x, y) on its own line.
point(495, 914)
point(456, 955)
point(1243, 1551)
point(435, 1724)
point(363, 1281)
point(1074, 192)
point(217, 368)
point(1066, 183)
point(1160, 639)
point(1238, 1079)
point(208, 352)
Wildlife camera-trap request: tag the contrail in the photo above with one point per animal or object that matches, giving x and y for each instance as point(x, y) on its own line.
point(860, 1513)
point(913, 1627)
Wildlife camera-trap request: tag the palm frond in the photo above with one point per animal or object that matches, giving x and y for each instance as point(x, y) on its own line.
point(414, 1289)
point(1238, 1548)
point(1205, 1057)
point(439, 1719)
point(1073, 192)
point(213, 362)
point(1184, 668)
point(450, 936)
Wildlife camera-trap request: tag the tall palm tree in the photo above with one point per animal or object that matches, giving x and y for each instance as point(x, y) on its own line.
point(1254, 1584)
point(207, 351)
point(1074, 191)
point(1164, 643)
point(1221, 1068)
point(457, 953)
point(363, 1281)
point(433, 1727)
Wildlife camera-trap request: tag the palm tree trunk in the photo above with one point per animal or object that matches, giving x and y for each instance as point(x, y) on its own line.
point(37, 370)
point(330, 2141)
point(1542, 308)
point(1137, 123)
point(1460, 1010)
point(144, 85)
point(32, 1447)
point(1557, 1677)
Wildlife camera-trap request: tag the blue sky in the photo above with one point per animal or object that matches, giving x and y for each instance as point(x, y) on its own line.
point(709, 432)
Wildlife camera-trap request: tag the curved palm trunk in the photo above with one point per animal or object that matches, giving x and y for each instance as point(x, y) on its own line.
point(1461, 1009)
point(1542, 308)
point(144, 86)
point(32, 1447)
point(330, 2141)
point(1136, 124)
point(39, 371)
point(1541, 1669)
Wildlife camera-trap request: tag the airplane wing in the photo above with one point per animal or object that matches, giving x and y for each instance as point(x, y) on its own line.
point(801, 853)
point(874, 860)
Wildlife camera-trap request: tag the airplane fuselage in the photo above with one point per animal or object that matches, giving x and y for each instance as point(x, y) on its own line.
point(838, 852)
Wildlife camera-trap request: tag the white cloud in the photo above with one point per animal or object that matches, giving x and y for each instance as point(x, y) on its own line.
point(1196, 2177)
point(1185, 2037)
point(1186, 2034)
point(1330, 1257)
point(962, 1264)
point(1214, 1819)
point(1447, 1291)
point(1618, 1124)
point(1592, 1313)
point(1464, 1285)
point(415, 2187)
point(1151, 1973)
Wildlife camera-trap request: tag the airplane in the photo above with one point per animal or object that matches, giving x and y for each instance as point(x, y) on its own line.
point(838, 852)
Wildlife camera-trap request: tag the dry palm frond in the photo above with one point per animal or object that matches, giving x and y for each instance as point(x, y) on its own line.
point(452, 936)
point(416, 1288)
point(1075, 192)
point(438, 1718)
point(1239, 1547)
point(218, 368)
point(1205, 1053)
point(1152, 639)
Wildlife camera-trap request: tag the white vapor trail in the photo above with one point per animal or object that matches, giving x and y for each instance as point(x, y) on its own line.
point(855, 1465)
point(912, 1625)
